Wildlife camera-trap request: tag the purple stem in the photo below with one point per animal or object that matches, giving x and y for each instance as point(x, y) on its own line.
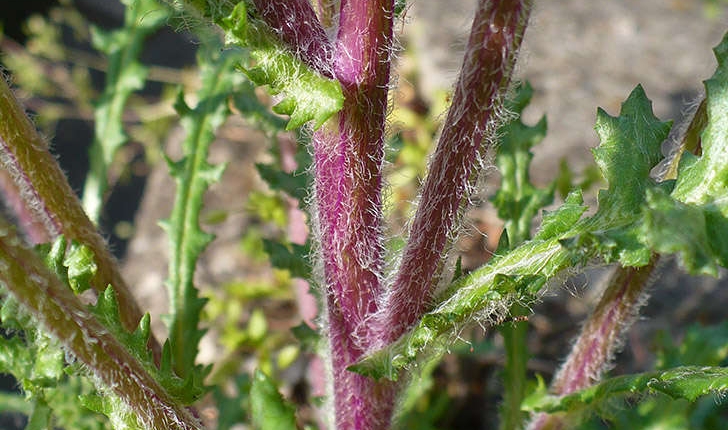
point(490, 55)
point(297, 25)
point(600, 337)
point(348, 156)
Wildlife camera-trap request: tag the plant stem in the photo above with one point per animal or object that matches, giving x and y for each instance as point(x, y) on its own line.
point(495, 38)
point(296, 23)
point(62, 314)
point(348, 156)
point(46, 196)
point(600, 337)
point(514, 371)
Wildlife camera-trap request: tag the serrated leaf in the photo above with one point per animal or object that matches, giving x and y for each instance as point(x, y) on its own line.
point(686, 382)
point(308, 96)
point(517, 200)
point(629, 149)
point(124, 76)
point(693, 221)
point(193, 175)
point(185, 390)
point(269, 411)
point(702, 180)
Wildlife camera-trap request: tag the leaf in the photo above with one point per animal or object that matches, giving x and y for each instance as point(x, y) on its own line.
point(124, 76)
point(269, 411)
point(193, 175)
point(686, 382)
point(693, 221)
point(697, 236)
point(517, 200)
point(119, 416)
point(232, 409)
point(81, 267)
point(295, 185)
point(629, 149)
point(306, 94)
point(562, 220)
point(704, 180)
point(293, 259)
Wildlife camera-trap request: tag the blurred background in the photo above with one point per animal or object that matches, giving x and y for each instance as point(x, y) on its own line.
point(577, 55)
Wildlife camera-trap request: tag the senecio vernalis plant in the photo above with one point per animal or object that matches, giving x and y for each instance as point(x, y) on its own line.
point(386, 312)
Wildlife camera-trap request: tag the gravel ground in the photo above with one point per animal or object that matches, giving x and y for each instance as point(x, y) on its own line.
point(579, 55)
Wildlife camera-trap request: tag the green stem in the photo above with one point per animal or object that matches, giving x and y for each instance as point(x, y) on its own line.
point(124, 76)
point(61, 313)
point(514, 372)
point(44, 193)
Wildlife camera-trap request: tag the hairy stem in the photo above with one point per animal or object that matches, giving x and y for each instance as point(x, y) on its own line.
point(495, 37)
point(295, 22)
point(600, 337)
point(48, 198)
point(61, 313)
point(348, 155)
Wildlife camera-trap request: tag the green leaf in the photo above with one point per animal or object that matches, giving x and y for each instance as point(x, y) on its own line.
point(693, 221)
point(704, 180)
point(308, 96)
point(559, 222)
point(295, 185)
point(124, 76)
point(697, 236)
point(233, 409)
point(269, 411)
point(120, 417)
point(627, 153)
point(292, 259)
point(81, 267)
point(686, 382)
point(193, 175)
point(517, 200)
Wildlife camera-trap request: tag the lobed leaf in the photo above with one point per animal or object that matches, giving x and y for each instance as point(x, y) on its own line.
point(517, 200)
point(685, 382)
point(307, 95)
point(124, 76)
point(193, 175)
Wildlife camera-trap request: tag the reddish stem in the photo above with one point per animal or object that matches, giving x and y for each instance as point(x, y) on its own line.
point(348, 156)
point(490, 55)
point(600, 337)
point(296, 23)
